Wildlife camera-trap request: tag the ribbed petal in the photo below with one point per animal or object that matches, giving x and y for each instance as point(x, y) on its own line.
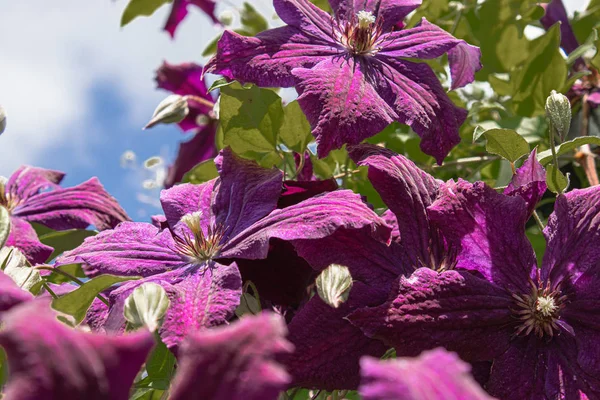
point(435, 374)
point(529, 182)
point(237, 362)
point(23, 237)
point(187, 198)
point(28, 181)
point(73, 208)
point(391, 12)
point(307, 18)
point(48, 360)
point(179, 12)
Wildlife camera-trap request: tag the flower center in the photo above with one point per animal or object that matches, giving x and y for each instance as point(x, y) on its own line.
point(6, 200)
point(198, 247)
point(538, 311)
point(361, 34)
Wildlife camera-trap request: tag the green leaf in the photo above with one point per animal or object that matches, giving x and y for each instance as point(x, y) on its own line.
point(545, 70)
point(71, 269)
point(16, 266)
point(250, 118)
point(478, 132)
point(506, 143)
point(62, 241)
point(219, 83)
point(203, 172)
point(579, 52)
point(295, 130)
point(77, 302)
point(546, 156)
point(556, 181)
point(137, 8)
point(161, 364)
point(4, 225)
point(252, 20)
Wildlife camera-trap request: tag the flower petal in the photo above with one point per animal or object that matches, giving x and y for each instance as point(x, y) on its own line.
point(314, 218)
point(48, 360)
point(28, 181)
point(200, 148)
point(573, 236)
point(245, 193)
point(268, 59)
point(407, 191)
point(341, 103)
point(435, 374)
point(187, 198)
point(207, 296)
point(427, 41)
point(235, 362)
point(10, 294)
point(452, 309)
point(529, 182)
point(556, 12)
point(179, 12)
point(317, 332)
point(474, 218)
point(73, 208)
point(391, 12)
point(23, 237)
point(307, 18)
point(131, 249)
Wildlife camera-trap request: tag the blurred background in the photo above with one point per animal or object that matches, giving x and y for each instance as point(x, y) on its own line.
point(77, 89)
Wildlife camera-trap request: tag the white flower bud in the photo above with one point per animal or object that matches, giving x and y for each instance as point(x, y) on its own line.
point(334, 284)
point(146, 306)
point(558, 111)
point(4, 224)
point(171, 110)
point(365, 19)
point(16, 266)
point(226, 17)
point(2, 119)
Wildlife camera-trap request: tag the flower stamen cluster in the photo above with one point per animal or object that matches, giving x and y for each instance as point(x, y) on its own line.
point(360, 35)
point(538, 311)
point(199, 247)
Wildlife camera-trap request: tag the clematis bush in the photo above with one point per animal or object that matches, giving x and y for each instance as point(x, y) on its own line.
point(379, 200)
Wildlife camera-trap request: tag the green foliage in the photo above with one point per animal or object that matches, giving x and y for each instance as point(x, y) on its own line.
point(295, 129)
point(77, 302)
point(506, 143)
point(545, 157)
point(201, 173)
point(138, 8)
point(160, 368)
point(73, 270)
point(556, 181)
point(62, 241)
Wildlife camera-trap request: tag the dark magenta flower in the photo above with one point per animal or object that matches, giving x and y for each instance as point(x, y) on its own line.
point(539, 326)
point(186, 80)
point(408, 192)
point(48, 360)
point(179, 12)
point(237, 362)
point(435, 374)
point(352, 72)
point(33, 195)
point(210, 226)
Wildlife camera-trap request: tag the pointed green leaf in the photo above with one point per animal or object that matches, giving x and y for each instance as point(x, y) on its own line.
point(203, 172)
point(295, 130)
point(252, 20)
point(556, 181)
point(545, 157)
point(62, 241)
point(506, 143)
point(137, 8)
point(71, 269)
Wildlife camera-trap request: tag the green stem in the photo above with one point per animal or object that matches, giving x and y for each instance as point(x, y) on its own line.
point(47, 287)
point(552, 147)
point(200, 100)
point(538, 221)
point(71, 277)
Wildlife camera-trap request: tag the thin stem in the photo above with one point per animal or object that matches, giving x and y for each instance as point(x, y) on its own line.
point(71, 277)
point(538, 221)
point(338, 176)
point(588, 163)
point(345, 177)
point(300, 166)
point(47, 287)
point(552, 147)
point(467, 160)
point(200, 100)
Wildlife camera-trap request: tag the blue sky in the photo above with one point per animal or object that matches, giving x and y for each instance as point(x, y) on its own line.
point(77, 90)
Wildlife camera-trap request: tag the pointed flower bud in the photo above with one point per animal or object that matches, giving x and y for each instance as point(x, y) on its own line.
point(334, 284)
point(558, 111)
point(171, 110)
point(2, 119)
point(4, 225)
point(146, 306)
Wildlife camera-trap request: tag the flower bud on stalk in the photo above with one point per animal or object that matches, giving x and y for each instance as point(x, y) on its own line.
point(558, 111)
point(171, 110)
point(334, 284)
point(146, 306)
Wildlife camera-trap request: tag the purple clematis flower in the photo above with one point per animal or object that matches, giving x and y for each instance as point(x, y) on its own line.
point(351, 70)
point(34, 195)
point(48, 360)
point(210, 226)
point(237, 362)
point(435, 374)
point(11, 294)
point(417, 242)
point(179, 12)
point(539, 326)
point(186, 80)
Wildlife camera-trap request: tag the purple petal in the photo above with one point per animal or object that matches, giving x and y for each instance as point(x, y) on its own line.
point(428, 41)
point(185, 79)
point(235, 362)
point(48, 360)
point(573, 236)
point(529, 182)
point(407, 191)
point(179, 12)
point(315, 218)
point(268, 59)
point(206, 297)
point(131, 249)
point(10, 294)
point(23, 237)
point(307, 18)
point(73, 208)
point(245, 193)
point(296, 191)
point(200, 148)
point(435, 374)
point(341, 103)
point(474, 218)
point(452, 309)
point(391, 12)
point(556, 12)
point(28, 181)
point(180, 200)
point(594, 99)
point(328, 348)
